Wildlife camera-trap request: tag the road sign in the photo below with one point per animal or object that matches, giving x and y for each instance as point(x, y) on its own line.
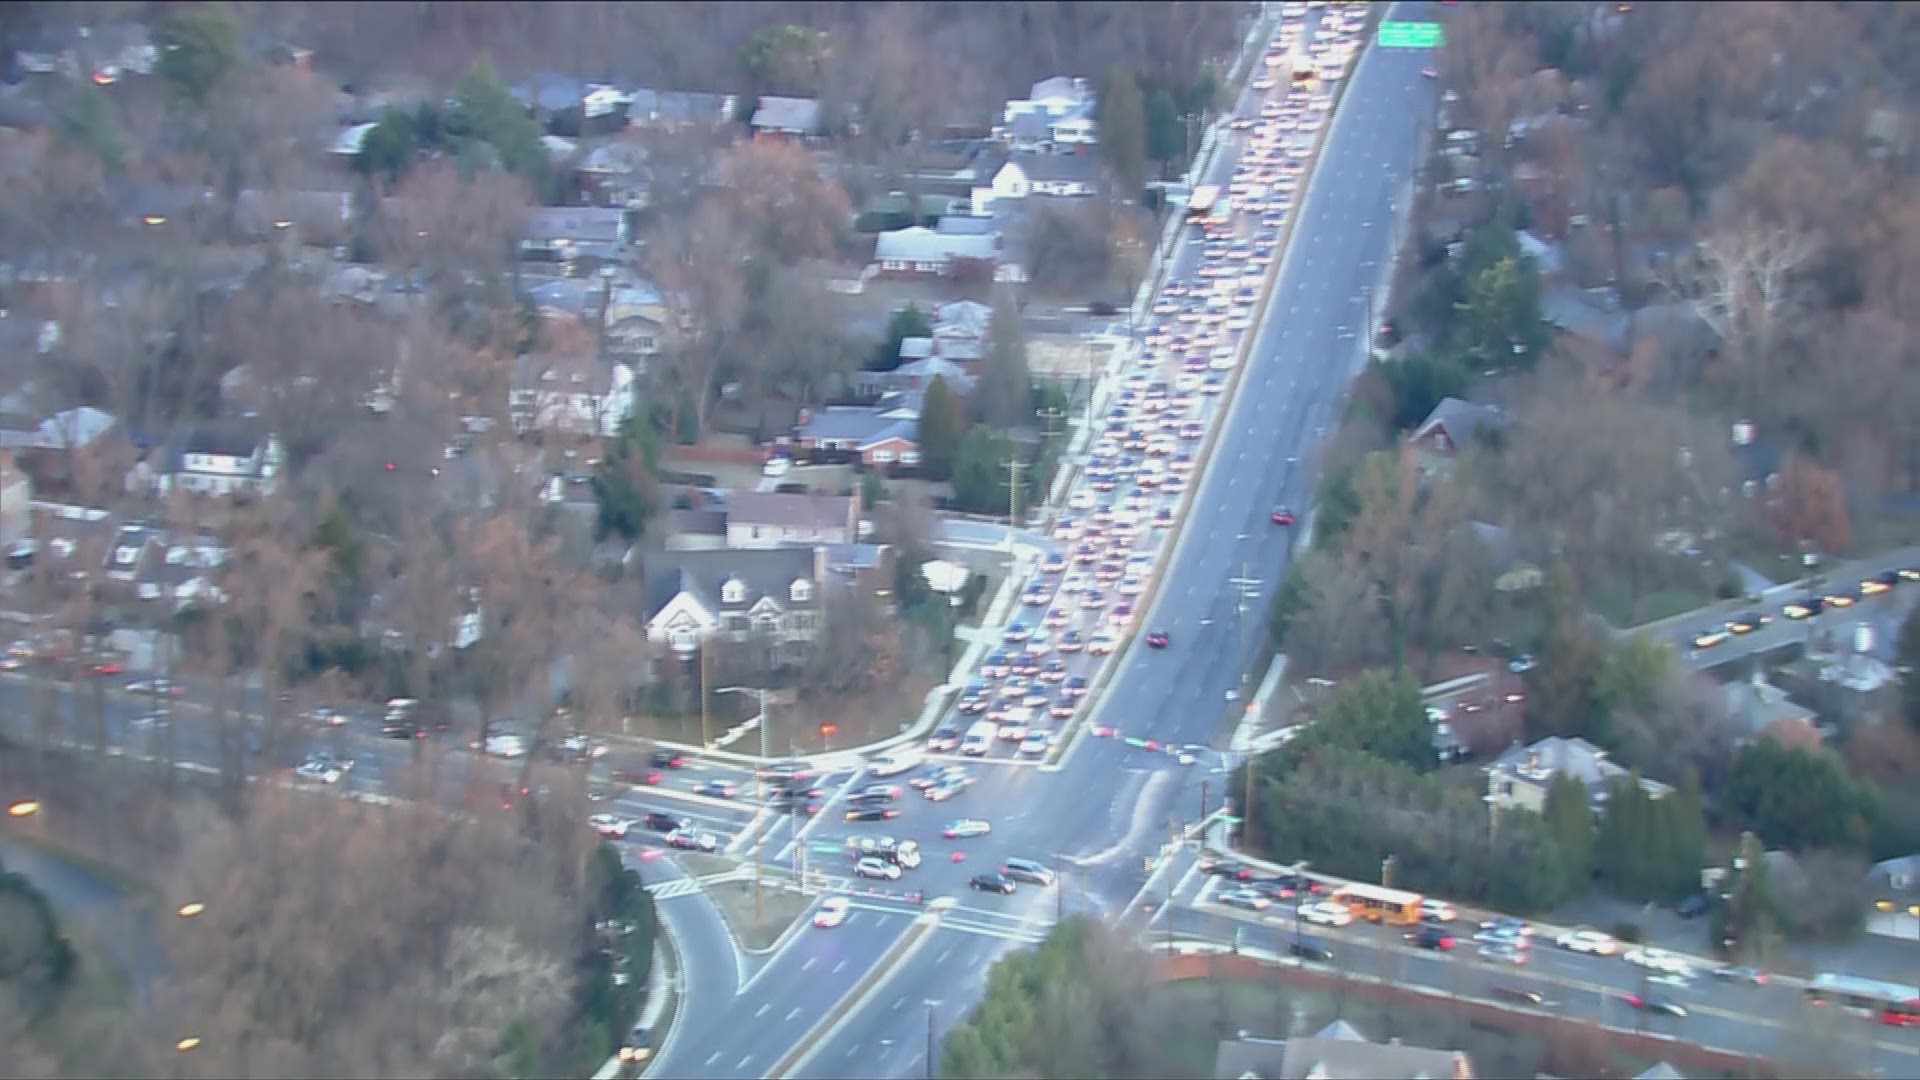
point(823, 849)
point(1410, 35)
point(1229, 819)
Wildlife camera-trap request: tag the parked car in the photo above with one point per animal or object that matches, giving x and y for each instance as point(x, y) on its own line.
point(612, 826)
point(995, 883)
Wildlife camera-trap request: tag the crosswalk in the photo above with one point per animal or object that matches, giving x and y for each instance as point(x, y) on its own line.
point(687, 886)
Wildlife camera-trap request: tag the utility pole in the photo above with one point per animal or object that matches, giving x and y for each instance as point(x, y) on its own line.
point(706, 740)
point(930, 1003)
point(1204, 799)
point(1059, 890)
point(1174, 835)
point(1246, 808)
point(1014, 465)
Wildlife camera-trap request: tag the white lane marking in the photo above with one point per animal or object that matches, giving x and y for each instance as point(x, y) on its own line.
point(837, 968)
point(715, 1056)
point(808, 965)
point(793, 1012)
point(762, 1010)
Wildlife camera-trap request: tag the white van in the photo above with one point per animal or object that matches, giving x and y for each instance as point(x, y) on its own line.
point(1014, 727)
point(979, 738)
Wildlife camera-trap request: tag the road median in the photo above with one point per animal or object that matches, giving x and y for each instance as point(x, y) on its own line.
point(909, 943)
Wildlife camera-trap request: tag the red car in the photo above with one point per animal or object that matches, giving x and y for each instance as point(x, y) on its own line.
point(634, 776)
point(108, 667)
point(1158, 639)
point(1283, 516)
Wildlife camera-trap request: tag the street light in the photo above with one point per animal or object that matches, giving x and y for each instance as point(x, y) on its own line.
point(759, 836)
point(931, 1004)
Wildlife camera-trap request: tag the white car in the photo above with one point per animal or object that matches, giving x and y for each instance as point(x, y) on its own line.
point(1325, 913)
point(1036, 743)
point(1591, 942)
point(324, 772)
point(1438, 911)
point(610, 825)
point(871, 867)
point(892, 764)
point(831, 912)
point(777, 467)
point(1659, 960)
point(966, 827)
point(506, 746)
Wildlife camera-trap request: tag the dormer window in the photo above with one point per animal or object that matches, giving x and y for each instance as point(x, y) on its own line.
point(126, 555)
point(733, 592)
point(802, 591)
point(548, 375)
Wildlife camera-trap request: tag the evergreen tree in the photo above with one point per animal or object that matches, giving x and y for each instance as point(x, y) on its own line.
point(1003, 398)
point(1626, 833)
point(1564, 686)
point(1166, 134)
point(198, 46)
point(1570, 821)
point(1123, 131)
point(941, 428)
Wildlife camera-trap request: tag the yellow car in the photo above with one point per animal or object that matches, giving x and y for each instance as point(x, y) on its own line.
point(1708, 639)
point(1801, 609)
point(1873, 587)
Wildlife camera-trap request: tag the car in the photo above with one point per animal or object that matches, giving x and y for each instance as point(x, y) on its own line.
point(108, 667)
point(872, 813)
point(1308, 949)
point(716, 789)
point(944, 790)
point(319, 770)
point(650, 777)
point(153, 720)
point(946, 738)
point(157, 686)
point(1158, 639)
point(1660, 960)
point(1283, 516)
point(1748, 622)
point(610, 825)
point(796, 804)
point(692, 840)
point(1429, 73)
point(1503, 953)
point(963, 828)
point(1738, 973)
point(1431, 937)
point(1840, 598)
point(777, 467)
point(1325, 913)
point(1101, 644)
point(1591, 942)
point(872, 866)
point(667, 759)
point(1071, 642)
point(506, 746)
point(1804, 608)
point(831, 912)
point(1519, 995)
point(1694, 906)
point(1249, 899)
point(877, 793)
point(786, 770)
point(1522, 664)
point(660, 821)
point(892, 764)
point(1508, 925)
point(1707, 639)
point(1657, 1005)
point(1227, 868)
point(994, 883)
point(1437, 911)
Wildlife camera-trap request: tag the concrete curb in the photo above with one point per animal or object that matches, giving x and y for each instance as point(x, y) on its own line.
point(909, 943)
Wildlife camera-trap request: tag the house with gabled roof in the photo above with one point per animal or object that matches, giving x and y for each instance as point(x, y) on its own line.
point(766, 519)
point(789, 118)
point(693, 597)
point(1454, 424)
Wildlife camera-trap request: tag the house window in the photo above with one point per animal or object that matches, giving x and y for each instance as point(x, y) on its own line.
point(802, 591)
point(684, 639)
point(766, 623)
point(882, 457)
point(736, 624)
point(800, 624)
point(733, 592)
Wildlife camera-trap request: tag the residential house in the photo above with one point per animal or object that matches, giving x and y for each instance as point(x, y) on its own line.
point(869, 566)
point(695, 596)
point(549, 96)
point(50, 450)
point(567, 232)
point(16, 501)
point(922, 252)
point(1057, 115)
point(701, 528)
point(1024, 175)
point(1454, 424)
point(763, 519)
point(956, 167)
point(72, 539)
point(1660, 1070)
point(1762, 709)
point(348, 143)
point(914, 377)
point(616, 174)
point(1520, 777)
point(126, 556)
point(224, 460)
point(788, 118)
point(883, 435)
point(960, 330)
point(179, 567)
point(577, 394)
point(1758, 459)
point(1594, 320)
point(1336, 1052)
point(678, 108)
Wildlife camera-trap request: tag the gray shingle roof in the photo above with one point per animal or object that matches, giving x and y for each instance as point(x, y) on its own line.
point(801, 115)
point(1462, 420)
point(919, 244)
point(768, 572)
point(1056, 168)
point(858, 424)
point(800, 511)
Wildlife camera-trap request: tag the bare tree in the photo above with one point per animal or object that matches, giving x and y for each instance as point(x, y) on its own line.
point(697, 261)
point(271, 586)
point(1747, 288)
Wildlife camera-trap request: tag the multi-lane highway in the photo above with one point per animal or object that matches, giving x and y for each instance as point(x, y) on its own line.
point(1111, 802)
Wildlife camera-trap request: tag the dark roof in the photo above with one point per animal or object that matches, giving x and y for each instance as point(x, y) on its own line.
point(812, 511)
point(230, 440)
point(1462, 420)
point(1056, 168)
point(765, 572)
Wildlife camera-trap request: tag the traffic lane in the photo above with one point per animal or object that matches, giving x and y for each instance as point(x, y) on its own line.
point(708, 972)
point(1782, 632)
point(1846, 574)
point(889, 1037)
point(797, 988)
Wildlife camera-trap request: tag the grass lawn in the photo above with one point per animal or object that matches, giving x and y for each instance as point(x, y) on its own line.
point(1615, 604)
point(758, 927)
point(1773, 564)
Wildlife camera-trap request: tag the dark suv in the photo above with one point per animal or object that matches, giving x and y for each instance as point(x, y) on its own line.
point(660, 821)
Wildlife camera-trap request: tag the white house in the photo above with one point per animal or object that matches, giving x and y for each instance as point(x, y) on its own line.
point(921, 251)
point(576, 395)
point(228, 461)
point(1056, 114)
point(694, 596)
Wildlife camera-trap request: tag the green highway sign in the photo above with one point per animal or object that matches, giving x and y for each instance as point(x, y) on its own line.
point(824, 849)
point(1229, 819)
point(1410, 35)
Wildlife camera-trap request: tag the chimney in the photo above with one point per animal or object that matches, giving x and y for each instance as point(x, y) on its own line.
point(1743, 433)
